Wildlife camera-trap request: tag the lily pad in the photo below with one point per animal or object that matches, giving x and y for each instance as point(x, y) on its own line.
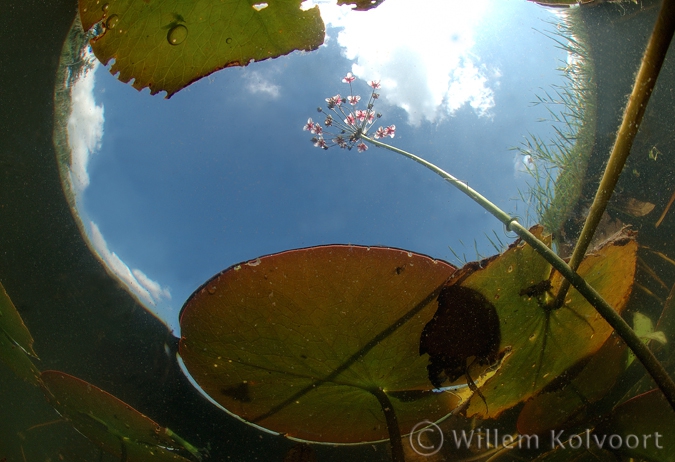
point(12, 324)
point(545, 342)
point(17, 360)
point(642, 428)
point(16, 343)
point(167, 44)
point(561, 405)
point(110, 423)
point(300, 342)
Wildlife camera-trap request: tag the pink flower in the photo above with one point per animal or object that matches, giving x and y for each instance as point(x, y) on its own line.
point(334, 101)
point(357, 123)
point(340, 141)
point(309, 126)
point(349, 78)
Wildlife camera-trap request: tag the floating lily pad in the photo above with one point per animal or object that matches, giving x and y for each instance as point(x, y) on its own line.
point(298, 342)
point(544, 342)
point(563, 402)
point(642, 428)
point(12, 324)
point(110, 423)
point(16, 343)
point(167, 44)
point(17, 360)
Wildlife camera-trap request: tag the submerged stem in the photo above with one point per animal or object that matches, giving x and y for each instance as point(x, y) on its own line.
point(641, 351)
point(392, 425)
point(651, 64)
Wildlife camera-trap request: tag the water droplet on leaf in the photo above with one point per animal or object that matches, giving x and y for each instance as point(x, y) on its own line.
point(105, 7)
point(177, 34)
point(112, 21)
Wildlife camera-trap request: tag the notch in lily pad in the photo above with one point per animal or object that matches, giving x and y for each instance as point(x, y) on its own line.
point(319, 344)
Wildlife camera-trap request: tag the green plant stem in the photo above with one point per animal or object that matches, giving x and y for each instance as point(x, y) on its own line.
point(397, 454)
point(641, 351)
point(651, 64)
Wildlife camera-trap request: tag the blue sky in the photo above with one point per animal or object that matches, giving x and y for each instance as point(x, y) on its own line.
point(173, 191)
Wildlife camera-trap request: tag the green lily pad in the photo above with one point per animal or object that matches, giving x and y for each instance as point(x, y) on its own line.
point(110, 423)
point(167, 44)
point(17, 360)
point(544, 343)
point(561, 405)
point(12, 324)
point(16, 343)
point(644, 426)
point(299, 342)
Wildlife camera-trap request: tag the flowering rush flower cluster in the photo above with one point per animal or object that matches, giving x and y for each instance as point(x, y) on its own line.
point(347, 123)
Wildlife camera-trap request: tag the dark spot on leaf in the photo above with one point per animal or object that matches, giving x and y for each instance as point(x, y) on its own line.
point(399, 269)
point(537, 289)
point(465, 326)
point(303, 356)
point(238, 392)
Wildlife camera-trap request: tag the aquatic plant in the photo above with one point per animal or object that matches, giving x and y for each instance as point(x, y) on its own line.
point(352, 123)
point(558, 166)
point(646, 79)
point(111, 424)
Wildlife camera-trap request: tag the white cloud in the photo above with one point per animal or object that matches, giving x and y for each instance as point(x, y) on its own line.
point(85, 130)
point(257, 83)
point(145, 288)
point(421, 51)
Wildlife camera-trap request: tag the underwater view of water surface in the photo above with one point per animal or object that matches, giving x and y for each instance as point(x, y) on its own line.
point(171, 192)
point(406, 231)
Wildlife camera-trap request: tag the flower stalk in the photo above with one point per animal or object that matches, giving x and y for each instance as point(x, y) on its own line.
point(353, 131)
point(627, 334)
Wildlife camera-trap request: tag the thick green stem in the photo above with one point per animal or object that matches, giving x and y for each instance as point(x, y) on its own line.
point(652, 61)
point(397, 454)
point(641, 351)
